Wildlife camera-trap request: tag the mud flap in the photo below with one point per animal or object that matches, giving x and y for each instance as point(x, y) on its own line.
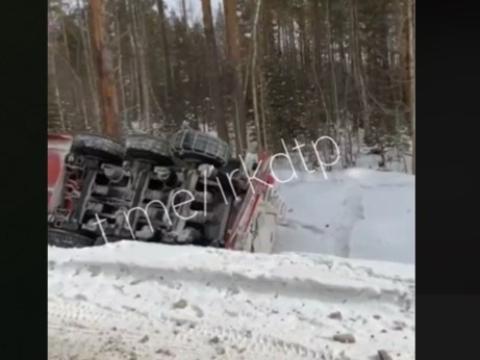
point(265, 225)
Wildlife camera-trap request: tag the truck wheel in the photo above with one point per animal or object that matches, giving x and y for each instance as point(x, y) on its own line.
point(149, 148)
point(68, 239)
point(192, 145)
point(98, 146)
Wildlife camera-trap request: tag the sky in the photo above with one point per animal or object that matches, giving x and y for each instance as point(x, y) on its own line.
point(194, 7)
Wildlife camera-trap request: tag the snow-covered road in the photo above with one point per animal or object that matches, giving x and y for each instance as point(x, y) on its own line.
point(132, 300)
point(358, 213)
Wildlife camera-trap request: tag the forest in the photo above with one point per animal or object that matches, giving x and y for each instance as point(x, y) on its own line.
point(251, 71)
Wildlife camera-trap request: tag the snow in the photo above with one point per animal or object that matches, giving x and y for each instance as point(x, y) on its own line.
point(357, 213)
point(160, 302)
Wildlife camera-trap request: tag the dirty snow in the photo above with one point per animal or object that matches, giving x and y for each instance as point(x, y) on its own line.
point(132, 300)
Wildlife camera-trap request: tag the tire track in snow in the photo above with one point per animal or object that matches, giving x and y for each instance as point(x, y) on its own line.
point(80, 330)
point(125, 306)
point(342, 226)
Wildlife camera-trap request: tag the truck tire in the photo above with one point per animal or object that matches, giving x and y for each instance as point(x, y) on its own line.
point(149, 148)
point(192, 145)
point(68, 239)
point(98, 146)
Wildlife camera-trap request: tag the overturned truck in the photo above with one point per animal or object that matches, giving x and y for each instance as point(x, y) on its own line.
point(184, 190)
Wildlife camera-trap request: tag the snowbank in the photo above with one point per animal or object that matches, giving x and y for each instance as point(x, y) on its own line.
point(163, 302)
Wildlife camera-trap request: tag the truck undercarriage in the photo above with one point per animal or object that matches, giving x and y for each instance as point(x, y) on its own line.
point(184, 190)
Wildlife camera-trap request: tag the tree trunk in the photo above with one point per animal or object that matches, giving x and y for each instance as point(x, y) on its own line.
point(56, 90)
point(122, 104)
point(317, 64)
point(166, 55)
point(333, 78)
point(89, 66)
point(263, 105)
point(184, 14)
point(357, 68)
point(260, 141)
point(144, 70)
point(411, 72)
point(233, 54)
point(139, 43)
point(135, 78)
point(214, 71)
point(108, 92)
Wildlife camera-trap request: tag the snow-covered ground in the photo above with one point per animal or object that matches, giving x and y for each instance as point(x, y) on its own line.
point(133, 300)
point(357, 213)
